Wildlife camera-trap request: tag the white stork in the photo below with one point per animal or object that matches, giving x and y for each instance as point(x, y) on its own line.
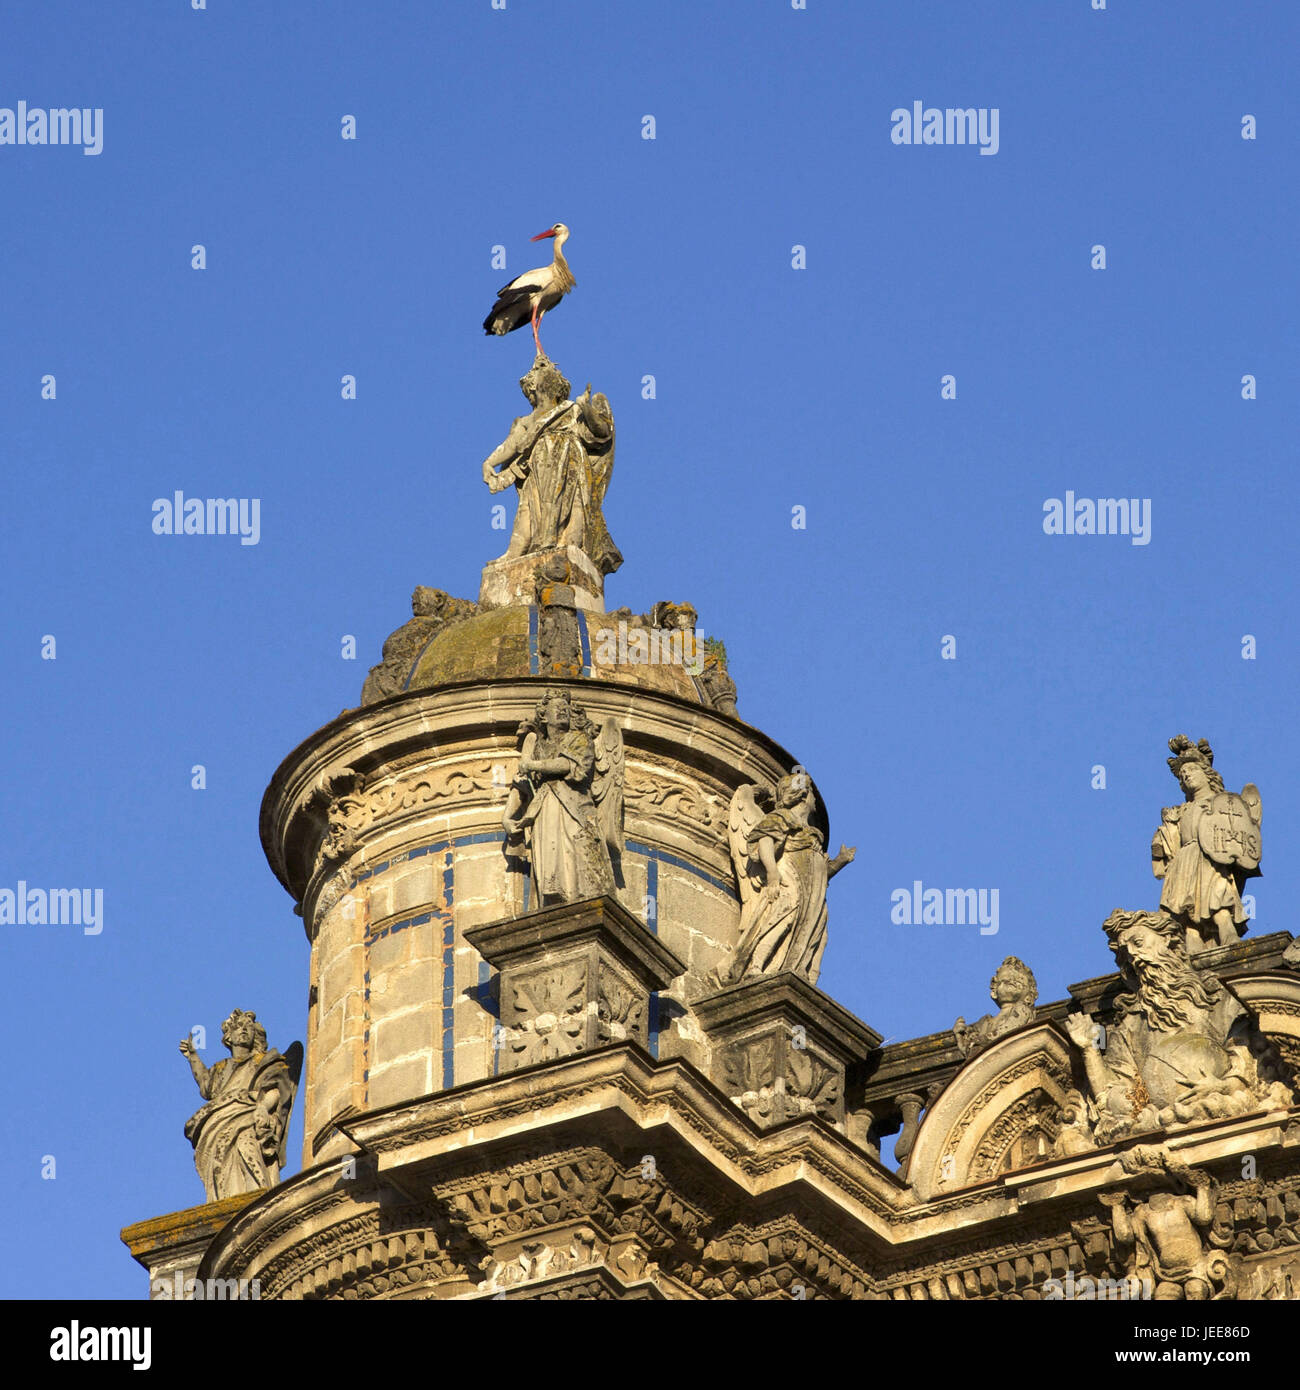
point(527, 298)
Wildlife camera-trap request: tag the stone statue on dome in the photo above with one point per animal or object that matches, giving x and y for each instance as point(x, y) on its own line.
point(559, 458)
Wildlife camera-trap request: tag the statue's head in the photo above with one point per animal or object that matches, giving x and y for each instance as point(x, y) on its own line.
point(1013, 983)
point(555, 712)
point(793, 788)
point(544, 384)
point(427, 602)
point(1193, 765)
point(1169, 992)
point(242, 1028)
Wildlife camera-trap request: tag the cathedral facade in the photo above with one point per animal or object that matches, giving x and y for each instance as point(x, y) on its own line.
point(565, 1040)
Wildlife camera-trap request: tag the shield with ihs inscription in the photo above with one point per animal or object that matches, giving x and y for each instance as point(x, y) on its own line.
point(1228, 833)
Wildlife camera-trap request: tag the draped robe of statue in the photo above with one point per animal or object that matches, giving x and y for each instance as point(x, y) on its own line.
point(567, 847)
point(239, 1136)
point(1195, 887)
point(787, 929)
point(568, 470)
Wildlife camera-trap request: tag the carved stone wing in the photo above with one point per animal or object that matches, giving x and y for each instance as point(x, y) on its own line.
point(599, 421)
point(293, 1061)
point(607, 783)
point(743, 816)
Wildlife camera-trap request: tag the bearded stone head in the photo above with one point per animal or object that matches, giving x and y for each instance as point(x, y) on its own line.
point(1169, 992)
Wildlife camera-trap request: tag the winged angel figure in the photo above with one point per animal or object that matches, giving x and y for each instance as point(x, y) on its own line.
point(782, 871)
point(564, 814)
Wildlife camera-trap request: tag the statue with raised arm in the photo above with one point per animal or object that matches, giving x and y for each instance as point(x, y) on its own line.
point(1181, 1049)
point(559, 458)
point(1159, 1228)
point(1205, 849)
point(782, 870)
point(239, 1134)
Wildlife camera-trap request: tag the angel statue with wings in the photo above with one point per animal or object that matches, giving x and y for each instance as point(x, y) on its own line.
point(564, 814)
point(560, 458)
point(1206, 848)
point(782, 871)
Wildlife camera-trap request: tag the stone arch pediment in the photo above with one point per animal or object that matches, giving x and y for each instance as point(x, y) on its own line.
point(1000, 1105)
point(1273, 997)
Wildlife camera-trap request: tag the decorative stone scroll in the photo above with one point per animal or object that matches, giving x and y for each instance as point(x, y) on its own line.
point(573, 977)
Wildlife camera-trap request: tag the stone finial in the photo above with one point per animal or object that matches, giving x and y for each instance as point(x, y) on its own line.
point(239, 1133)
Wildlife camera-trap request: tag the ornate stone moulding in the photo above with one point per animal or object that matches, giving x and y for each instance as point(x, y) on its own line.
point(675, 749)
point(990, 1107)
point(449, 1150)
point(1273, 997)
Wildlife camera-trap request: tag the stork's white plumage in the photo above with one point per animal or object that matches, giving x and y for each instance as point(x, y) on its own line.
point(526, 298)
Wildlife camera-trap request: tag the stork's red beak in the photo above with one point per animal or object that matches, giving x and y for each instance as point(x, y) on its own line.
point(550, 231)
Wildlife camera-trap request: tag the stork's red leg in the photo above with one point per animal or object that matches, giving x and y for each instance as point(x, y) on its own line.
point(537, 341)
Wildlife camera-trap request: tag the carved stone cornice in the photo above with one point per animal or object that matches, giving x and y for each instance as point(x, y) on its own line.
point(478, 718)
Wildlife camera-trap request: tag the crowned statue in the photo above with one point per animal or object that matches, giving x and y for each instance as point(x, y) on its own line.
point(1206, 848)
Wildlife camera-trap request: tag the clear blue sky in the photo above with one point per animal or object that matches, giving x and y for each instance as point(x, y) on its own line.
point(776, 388)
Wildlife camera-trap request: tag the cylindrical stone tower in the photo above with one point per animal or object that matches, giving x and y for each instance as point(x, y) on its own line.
point(386, 826)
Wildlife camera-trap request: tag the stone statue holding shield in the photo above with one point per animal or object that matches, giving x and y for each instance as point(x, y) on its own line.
point(1206, 848)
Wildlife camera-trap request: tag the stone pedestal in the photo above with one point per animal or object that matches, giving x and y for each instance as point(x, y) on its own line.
point(780, 1047)
point(573, 977)
point(512, 581)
